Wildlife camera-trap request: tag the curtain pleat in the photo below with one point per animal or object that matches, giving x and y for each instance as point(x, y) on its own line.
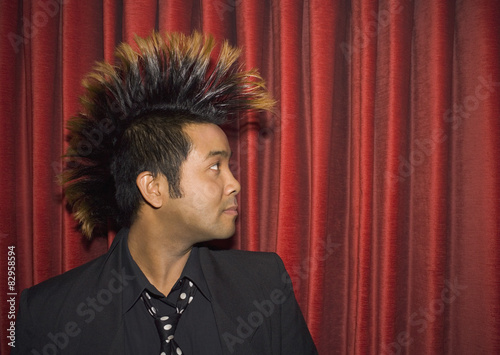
point(376, 178)
point(44, 118)
point(294, 169)
point(178, 15)
point(249, 36)
point(428, 155)
point(361, 57)
point(322, 61)
point(392, 90)
point(475, 126)
point(139, 18)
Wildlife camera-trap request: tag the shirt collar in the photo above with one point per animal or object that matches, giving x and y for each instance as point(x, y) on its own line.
point(192, 270)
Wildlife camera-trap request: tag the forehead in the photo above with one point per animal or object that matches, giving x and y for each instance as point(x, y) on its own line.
point(207, 137)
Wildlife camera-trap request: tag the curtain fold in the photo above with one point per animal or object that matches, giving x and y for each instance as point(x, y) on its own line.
point(325, 25)
point(376, 179)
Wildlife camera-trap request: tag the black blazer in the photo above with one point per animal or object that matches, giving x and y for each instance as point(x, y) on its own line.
point(253, 301)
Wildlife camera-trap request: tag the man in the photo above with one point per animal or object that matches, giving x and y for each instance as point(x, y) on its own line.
point(161, 171)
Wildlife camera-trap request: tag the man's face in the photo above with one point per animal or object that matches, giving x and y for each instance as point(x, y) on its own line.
point(208, 208)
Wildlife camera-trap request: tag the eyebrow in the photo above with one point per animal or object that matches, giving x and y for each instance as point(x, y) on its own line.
point(223, 153)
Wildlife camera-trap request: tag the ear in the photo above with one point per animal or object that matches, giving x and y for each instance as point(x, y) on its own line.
point(151, 188)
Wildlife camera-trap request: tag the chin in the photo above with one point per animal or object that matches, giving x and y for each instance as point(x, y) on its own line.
point(218, 235)
point(226, 234)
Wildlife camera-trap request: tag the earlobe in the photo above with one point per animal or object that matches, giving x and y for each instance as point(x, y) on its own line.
point(150, 188)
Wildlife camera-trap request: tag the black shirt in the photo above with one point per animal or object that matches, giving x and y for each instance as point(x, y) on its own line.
point(196, 332)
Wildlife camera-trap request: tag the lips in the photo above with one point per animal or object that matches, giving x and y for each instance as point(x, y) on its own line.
point(232, 210)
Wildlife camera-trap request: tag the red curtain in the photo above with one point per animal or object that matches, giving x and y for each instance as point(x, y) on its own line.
point(377, 180)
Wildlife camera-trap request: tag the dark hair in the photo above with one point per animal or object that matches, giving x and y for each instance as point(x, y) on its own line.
point(133, 117)
point(156, 143)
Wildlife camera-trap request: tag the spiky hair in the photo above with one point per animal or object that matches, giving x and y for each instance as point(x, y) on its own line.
point(167, 78)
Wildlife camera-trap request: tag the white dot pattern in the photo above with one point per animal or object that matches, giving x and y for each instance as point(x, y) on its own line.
point(167, 325)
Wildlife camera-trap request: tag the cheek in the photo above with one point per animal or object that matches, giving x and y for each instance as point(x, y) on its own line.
point(205, 195)
point(213, 191)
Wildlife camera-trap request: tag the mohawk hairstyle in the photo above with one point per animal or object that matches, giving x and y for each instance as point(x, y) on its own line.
point(133, 114)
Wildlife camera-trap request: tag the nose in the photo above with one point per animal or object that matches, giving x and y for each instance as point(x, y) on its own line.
point(233, 186)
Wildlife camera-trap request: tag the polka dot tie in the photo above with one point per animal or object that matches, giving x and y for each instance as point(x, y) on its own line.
point(166, 325)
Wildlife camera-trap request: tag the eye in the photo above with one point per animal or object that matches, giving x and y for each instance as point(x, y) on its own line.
point(215, 167)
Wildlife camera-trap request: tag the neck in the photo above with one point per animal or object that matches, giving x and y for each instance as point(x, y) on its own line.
point(160, 257)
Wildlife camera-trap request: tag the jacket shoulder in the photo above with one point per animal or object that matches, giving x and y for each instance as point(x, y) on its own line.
point(80, 279)
point(242, 257)
point(49, 291)
point(262, 267)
